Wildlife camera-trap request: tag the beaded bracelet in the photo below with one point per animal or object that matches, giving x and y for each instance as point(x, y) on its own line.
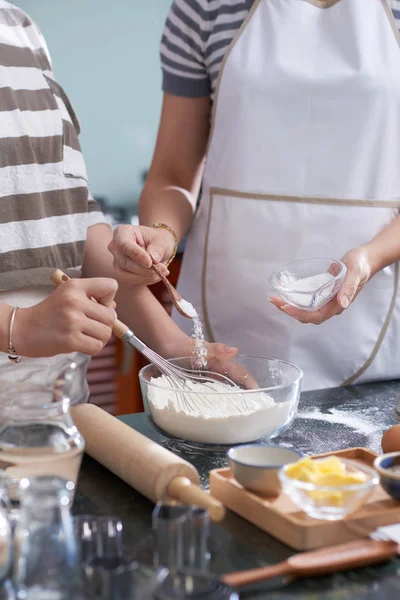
point(172, 232)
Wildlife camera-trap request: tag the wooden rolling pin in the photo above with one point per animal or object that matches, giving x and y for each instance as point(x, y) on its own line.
point(320, 562)
point(151, 469)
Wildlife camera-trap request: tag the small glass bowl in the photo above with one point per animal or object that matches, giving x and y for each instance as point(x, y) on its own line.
point(330, 503)
point(285, 282)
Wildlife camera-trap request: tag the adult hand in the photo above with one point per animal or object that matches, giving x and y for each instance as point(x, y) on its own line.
point(68, 320)
point(359, 272)
point(135, 248)
point(221, 360)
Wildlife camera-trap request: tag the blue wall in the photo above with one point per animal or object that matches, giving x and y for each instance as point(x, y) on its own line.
point(105, 55)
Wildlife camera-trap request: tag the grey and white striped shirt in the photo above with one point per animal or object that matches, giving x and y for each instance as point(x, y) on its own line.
point(45, 204)
point(196, 36)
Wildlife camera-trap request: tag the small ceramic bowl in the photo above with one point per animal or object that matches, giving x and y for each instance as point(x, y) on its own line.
point(309, 284)
point(256, 466)
point(390, 480)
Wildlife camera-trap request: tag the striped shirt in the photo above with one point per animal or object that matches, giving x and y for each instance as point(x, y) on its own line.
point(45, 204)
point(196, 37)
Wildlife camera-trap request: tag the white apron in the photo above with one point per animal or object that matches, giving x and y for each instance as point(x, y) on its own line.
point(303, 161)
point(41, 370)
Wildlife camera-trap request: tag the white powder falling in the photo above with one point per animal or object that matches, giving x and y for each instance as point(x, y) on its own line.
point(200, 347)
point(213, 414)
point(308, 284)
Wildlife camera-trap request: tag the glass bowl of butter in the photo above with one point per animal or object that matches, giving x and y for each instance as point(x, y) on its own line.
point(309, 284)
point(328, 488)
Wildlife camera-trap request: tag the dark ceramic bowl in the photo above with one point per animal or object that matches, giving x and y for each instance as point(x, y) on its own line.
point(390, 480)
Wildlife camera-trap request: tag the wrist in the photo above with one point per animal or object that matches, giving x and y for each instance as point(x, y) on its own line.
point(20, 331)
point(5, 321)
point(375, 260)
point(171, 239)
point(179, 346)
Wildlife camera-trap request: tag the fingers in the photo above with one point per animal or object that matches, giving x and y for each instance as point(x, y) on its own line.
point(157, 252)
point(99, 313)
point(89, 344)
point(316, 317)
point(136, 275)
point(221, 351)
point(101, 289)
point(98, 332)
point(159, 243)
point(349, 289)
point(128, 243)
point(220, 361)
point(235, 372)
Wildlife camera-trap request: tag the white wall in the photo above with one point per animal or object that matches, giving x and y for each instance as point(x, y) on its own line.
point(106, 55)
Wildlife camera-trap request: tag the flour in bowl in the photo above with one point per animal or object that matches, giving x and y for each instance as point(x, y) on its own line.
point(213, 414)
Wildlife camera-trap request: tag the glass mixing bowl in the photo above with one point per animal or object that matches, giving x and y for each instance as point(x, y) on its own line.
point(306, 284)
point(221, 416)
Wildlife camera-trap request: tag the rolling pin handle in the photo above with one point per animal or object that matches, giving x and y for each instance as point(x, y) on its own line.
point(183, 490)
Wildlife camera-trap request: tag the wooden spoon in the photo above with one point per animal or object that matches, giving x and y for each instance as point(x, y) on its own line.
point(320, 562)
point(175, 296)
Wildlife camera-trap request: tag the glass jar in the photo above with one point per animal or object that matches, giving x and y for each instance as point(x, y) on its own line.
point(47, 559)
point(6, 539)
point(37, 433)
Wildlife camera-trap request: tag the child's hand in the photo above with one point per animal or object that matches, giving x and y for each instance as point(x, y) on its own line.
point(220, 360)
point(68, 320)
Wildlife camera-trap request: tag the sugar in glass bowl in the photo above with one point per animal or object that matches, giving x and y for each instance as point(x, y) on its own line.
point(218, 415)
point(309, 284)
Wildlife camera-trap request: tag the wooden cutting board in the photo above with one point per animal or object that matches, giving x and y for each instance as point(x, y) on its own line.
point(282, 519)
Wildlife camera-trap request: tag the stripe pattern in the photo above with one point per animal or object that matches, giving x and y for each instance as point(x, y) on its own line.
point(196, 37)
point(45, 204)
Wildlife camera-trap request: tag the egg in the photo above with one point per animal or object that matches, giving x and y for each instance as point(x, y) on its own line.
point(391, 440)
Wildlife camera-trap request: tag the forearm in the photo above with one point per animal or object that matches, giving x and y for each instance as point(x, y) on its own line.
point(143, 313)
point(176, 171)
point(163, 202)
point(384, 249)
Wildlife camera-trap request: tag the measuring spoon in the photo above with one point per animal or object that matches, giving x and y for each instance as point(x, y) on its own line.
point(180, 304)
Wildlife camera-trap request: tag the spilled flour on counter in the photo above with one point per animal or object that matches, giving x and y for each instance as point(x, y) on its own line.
point(364, 425)
point(213, 414)
point(200, 347)
point(340, 418)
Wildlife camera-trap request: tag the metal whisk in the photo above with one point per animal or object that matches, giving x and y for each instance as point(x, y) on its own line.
point(178, 377)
